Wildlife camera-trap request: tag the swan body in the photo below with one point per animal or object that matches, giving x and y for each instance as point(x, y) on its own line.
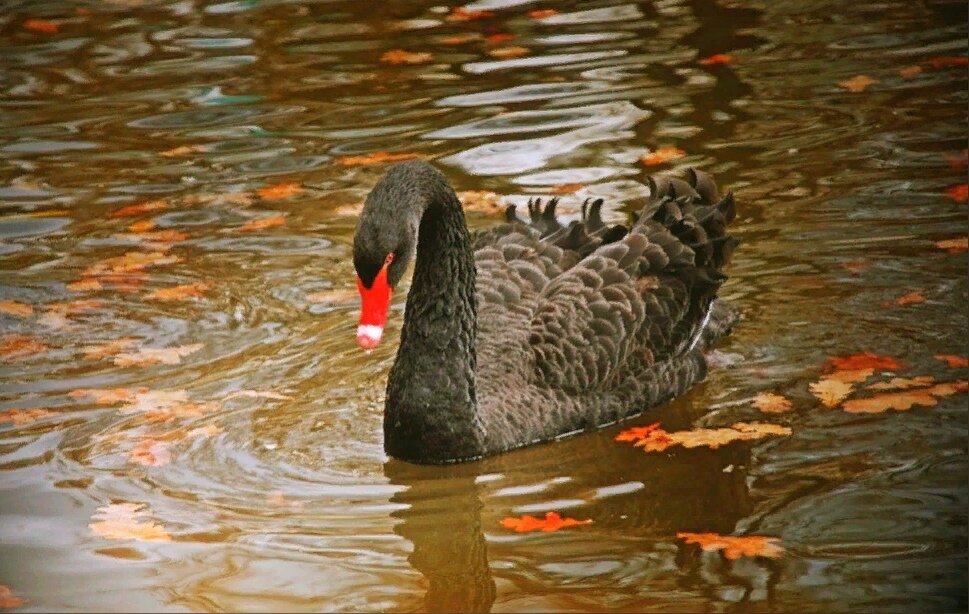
point(530, 331)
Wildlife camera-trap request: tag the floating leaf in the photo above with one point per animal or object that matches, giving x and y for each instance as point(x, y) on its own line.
point(542, 13)
point(280, 191)
point(140, 208)
point(460, 39)
point(14, 347)
point(856, 266)
point(259, 394)
point(858, 83)
point(209, 430)
point(182, 150)
point(501, 37)
point(8, 599)
point(166, 405)
point(658, 440)
point(953, 360)
point(131, 262)
point(662, 155)
point(717, 58)
point(552, 522)
point(954, 246)
point(903, 383)
point(902, 401)
point(262, 223)
point(771, 403)
point(23, 416)
point(351, 210)
point(41, 25)
point(507, 53)
point(637, 432)
point(85, 284)
point(377, 157)
point(56, 315)
point(463, 14)
point(863, 360)
point(107, 396)
point(121, 521)
point(399, 56)
point(960, 161)
point(830, 391)
point(180, 293)
point(153, 356)
point(94, 352)
point(151, 453)
point(16, 309)
point(910, 71)
point(958, 193)
point(142, 226)
point(734, 547)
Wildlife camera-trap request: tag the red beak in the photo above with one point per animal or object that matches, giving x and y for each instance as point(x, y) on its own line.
point(373, 311)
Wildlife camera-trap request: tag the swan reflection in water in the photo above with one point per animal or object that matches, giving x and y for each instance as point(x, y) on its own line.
point(452, 516)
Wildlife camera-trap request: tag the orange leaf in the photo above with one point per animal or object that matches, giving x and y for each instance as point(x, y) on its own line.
point(902, 401)
point(152, 356)
point(7, 598)
point(16, 309)
point(262, 223)
point(459, 40)
point(13, 347)
point(376, 157)
point(182, 150)
point(102, 396)
point(180, 293)
point(717, 58)
point(958, 193)
point(41, 25)
point(566, 188)
point(903, 383)
point(831, 391)
point(131, 262)
point(141, 226)
point(94, 352)
point(943, 61)
point(481, 201)
point(462, 14)
point(151, 452)
point(23, 416)
point(637, 432)
point(911, 298)
point(399, 56)
point(122, 521)
point(552, 522)
point(954, 246)
point(280, 191)
point(209, 430)
point(501, 37)
point(863, 360)
point(56, 314)
point(734, 547)
point(910, 71)
point(542, 13)
point(277, 498)
point(858, 83)
point(145, 207)
point(771, 403)
point(856, 266)
point(661, 155)
point(952, 360)
point(659, 440)
point(507, 53)
point(166, 405)
point(85, 284)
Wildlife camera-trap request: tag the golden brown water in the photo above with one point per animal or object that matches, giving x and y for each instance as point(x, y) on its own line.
point(290, 503)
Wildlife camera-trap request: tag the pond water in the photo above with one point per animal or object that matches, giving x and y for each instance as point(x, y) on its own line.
point(281, 498)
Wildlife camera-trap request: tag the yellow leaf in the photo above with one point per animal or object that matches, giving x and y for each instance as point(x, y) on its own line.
point(180, 293)
point(858, 83)
point(831, 391)
point(734, 547)
point(902, 383)
point(279, 191)
point(903, 401)
point(771, 403)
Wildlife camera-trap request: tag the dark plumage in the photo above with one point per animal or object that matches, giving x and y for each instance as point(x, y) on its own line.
point(531, 330)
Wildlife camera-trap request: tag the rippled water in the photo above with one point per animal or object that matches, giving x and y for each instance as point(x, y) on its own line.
point(290, 504)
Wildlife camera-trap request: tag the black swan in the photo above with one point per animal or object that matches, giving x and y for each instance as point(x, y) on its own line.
point(525, 332)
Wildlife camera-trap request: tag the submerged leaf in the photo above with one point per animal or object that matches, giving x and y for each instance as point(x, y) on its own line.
point(400, 56)
point(259, 394)
point(717, 58)
point(13, 347)
point(151, 453)
point(131, 262)
point(23, 416)
point(8, 599)
point(180, 293)
point(377, 157)
point(507, 53)
point(262, 223)
point(41, 25)
point(106, 396)
point(110, 348)
point(958, 193)
point(153, 356)
point(140, 208)
point(911, 298)
point(552, 522)
point(463, 14)
point(280, 191)
point(954, 246)
point(14, 308)
point(858, 83)
point(542, 13)
point(734, 547)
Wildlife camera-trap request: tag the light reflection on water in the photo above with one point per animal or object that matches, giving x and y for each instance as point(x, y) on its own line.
point(293, 504)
